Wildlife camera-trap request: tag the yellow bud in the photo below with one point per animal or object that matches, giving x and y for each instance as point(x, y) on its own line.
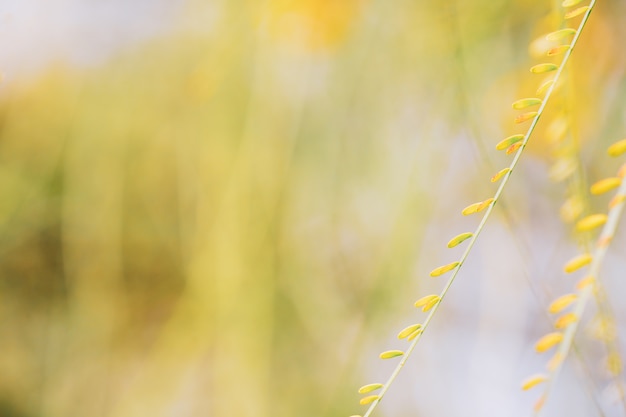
point(618, 199)
point(588, 280)
point(605, 185)
point(369, 388)
point(541, 68)
point(476, 207)
point(544, 87)
point(571, 209)
point(456, 240)
point(431, 304)
point(407, 331)
point(443, 269)
point(614, 363)
point(560, 34)
point(415, 334)
point(617, 148)
point(591, 222)
point(532, 381)
point(539, 404)
point(576, 12)
point(526, 116)
point(554, 362)
point(425, 300)
point(369, 399)
point(548, 341)
point(500, 174)
point(505, 143)
point(565, 320)
point(388, 354)
point(561, 303)
point(569, 3)
point(558, 50)
point(578, 262)
point(526, 102)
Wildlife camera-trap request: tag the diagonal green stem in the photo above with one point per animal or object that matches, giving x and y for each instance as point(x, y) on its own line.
point(485, 217)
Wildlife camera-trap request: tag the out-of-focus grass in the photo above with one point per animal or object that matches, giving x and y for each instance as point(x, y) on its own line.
point(220, 223)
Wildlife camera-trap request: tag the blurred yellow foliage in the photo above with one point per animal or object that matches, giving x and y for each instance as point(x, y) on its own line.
point(186, 229)
point(310, 24)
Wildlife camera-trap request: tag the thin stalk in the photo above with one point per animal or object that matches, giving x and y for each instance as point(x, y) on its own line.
point(608, 231)
point(484, 219)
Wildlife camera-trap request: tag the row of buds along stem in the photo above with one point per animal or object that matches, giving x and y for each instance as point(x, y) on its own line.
point(511, 145)
point(568, 308)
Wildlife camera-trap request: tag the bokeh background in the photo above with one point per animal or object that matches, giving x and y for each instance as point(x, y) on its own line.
point(227, 208)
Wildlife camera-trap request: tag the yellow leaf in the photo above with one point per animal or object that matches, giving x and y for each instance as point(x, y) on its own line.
point(604, 329)
point(542, 68)
point(369, 388)
point(456, 240)
point(577, 262)
point(565, 320)
point(563, 168)
point(554, 362)
point(614, 363)
point(588, 280)
point(558, 50)
point(605, 185)
point(476, 207)
point(526, 102)
point(617, 148)
point(513, 148)
point(505, 143)
point(533, 380)
point(425, 300)
point(471, 209)
point(407, 331)
point(526, 116)
point(569, 3)
point(500, 174)
point(539, 404)
point(561, 303)
point(548, 341)
point(544, 87)
point(618, 199)
point(591, 222)
point(415, 334)
point(571, 209)
point(388, 354)
point(369, 399)
point(576, 12)
point(604, 241)
point(557, 129)
point(443, 269)
point(560, 34)
point(431, 304)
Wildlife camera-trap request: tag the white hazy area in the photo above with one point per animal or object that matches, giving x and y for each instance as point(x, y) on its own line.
point(35, 33)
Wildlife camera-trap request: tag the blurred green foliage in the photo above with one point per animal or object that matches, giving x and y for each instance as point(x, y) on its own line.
point(221, 222)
